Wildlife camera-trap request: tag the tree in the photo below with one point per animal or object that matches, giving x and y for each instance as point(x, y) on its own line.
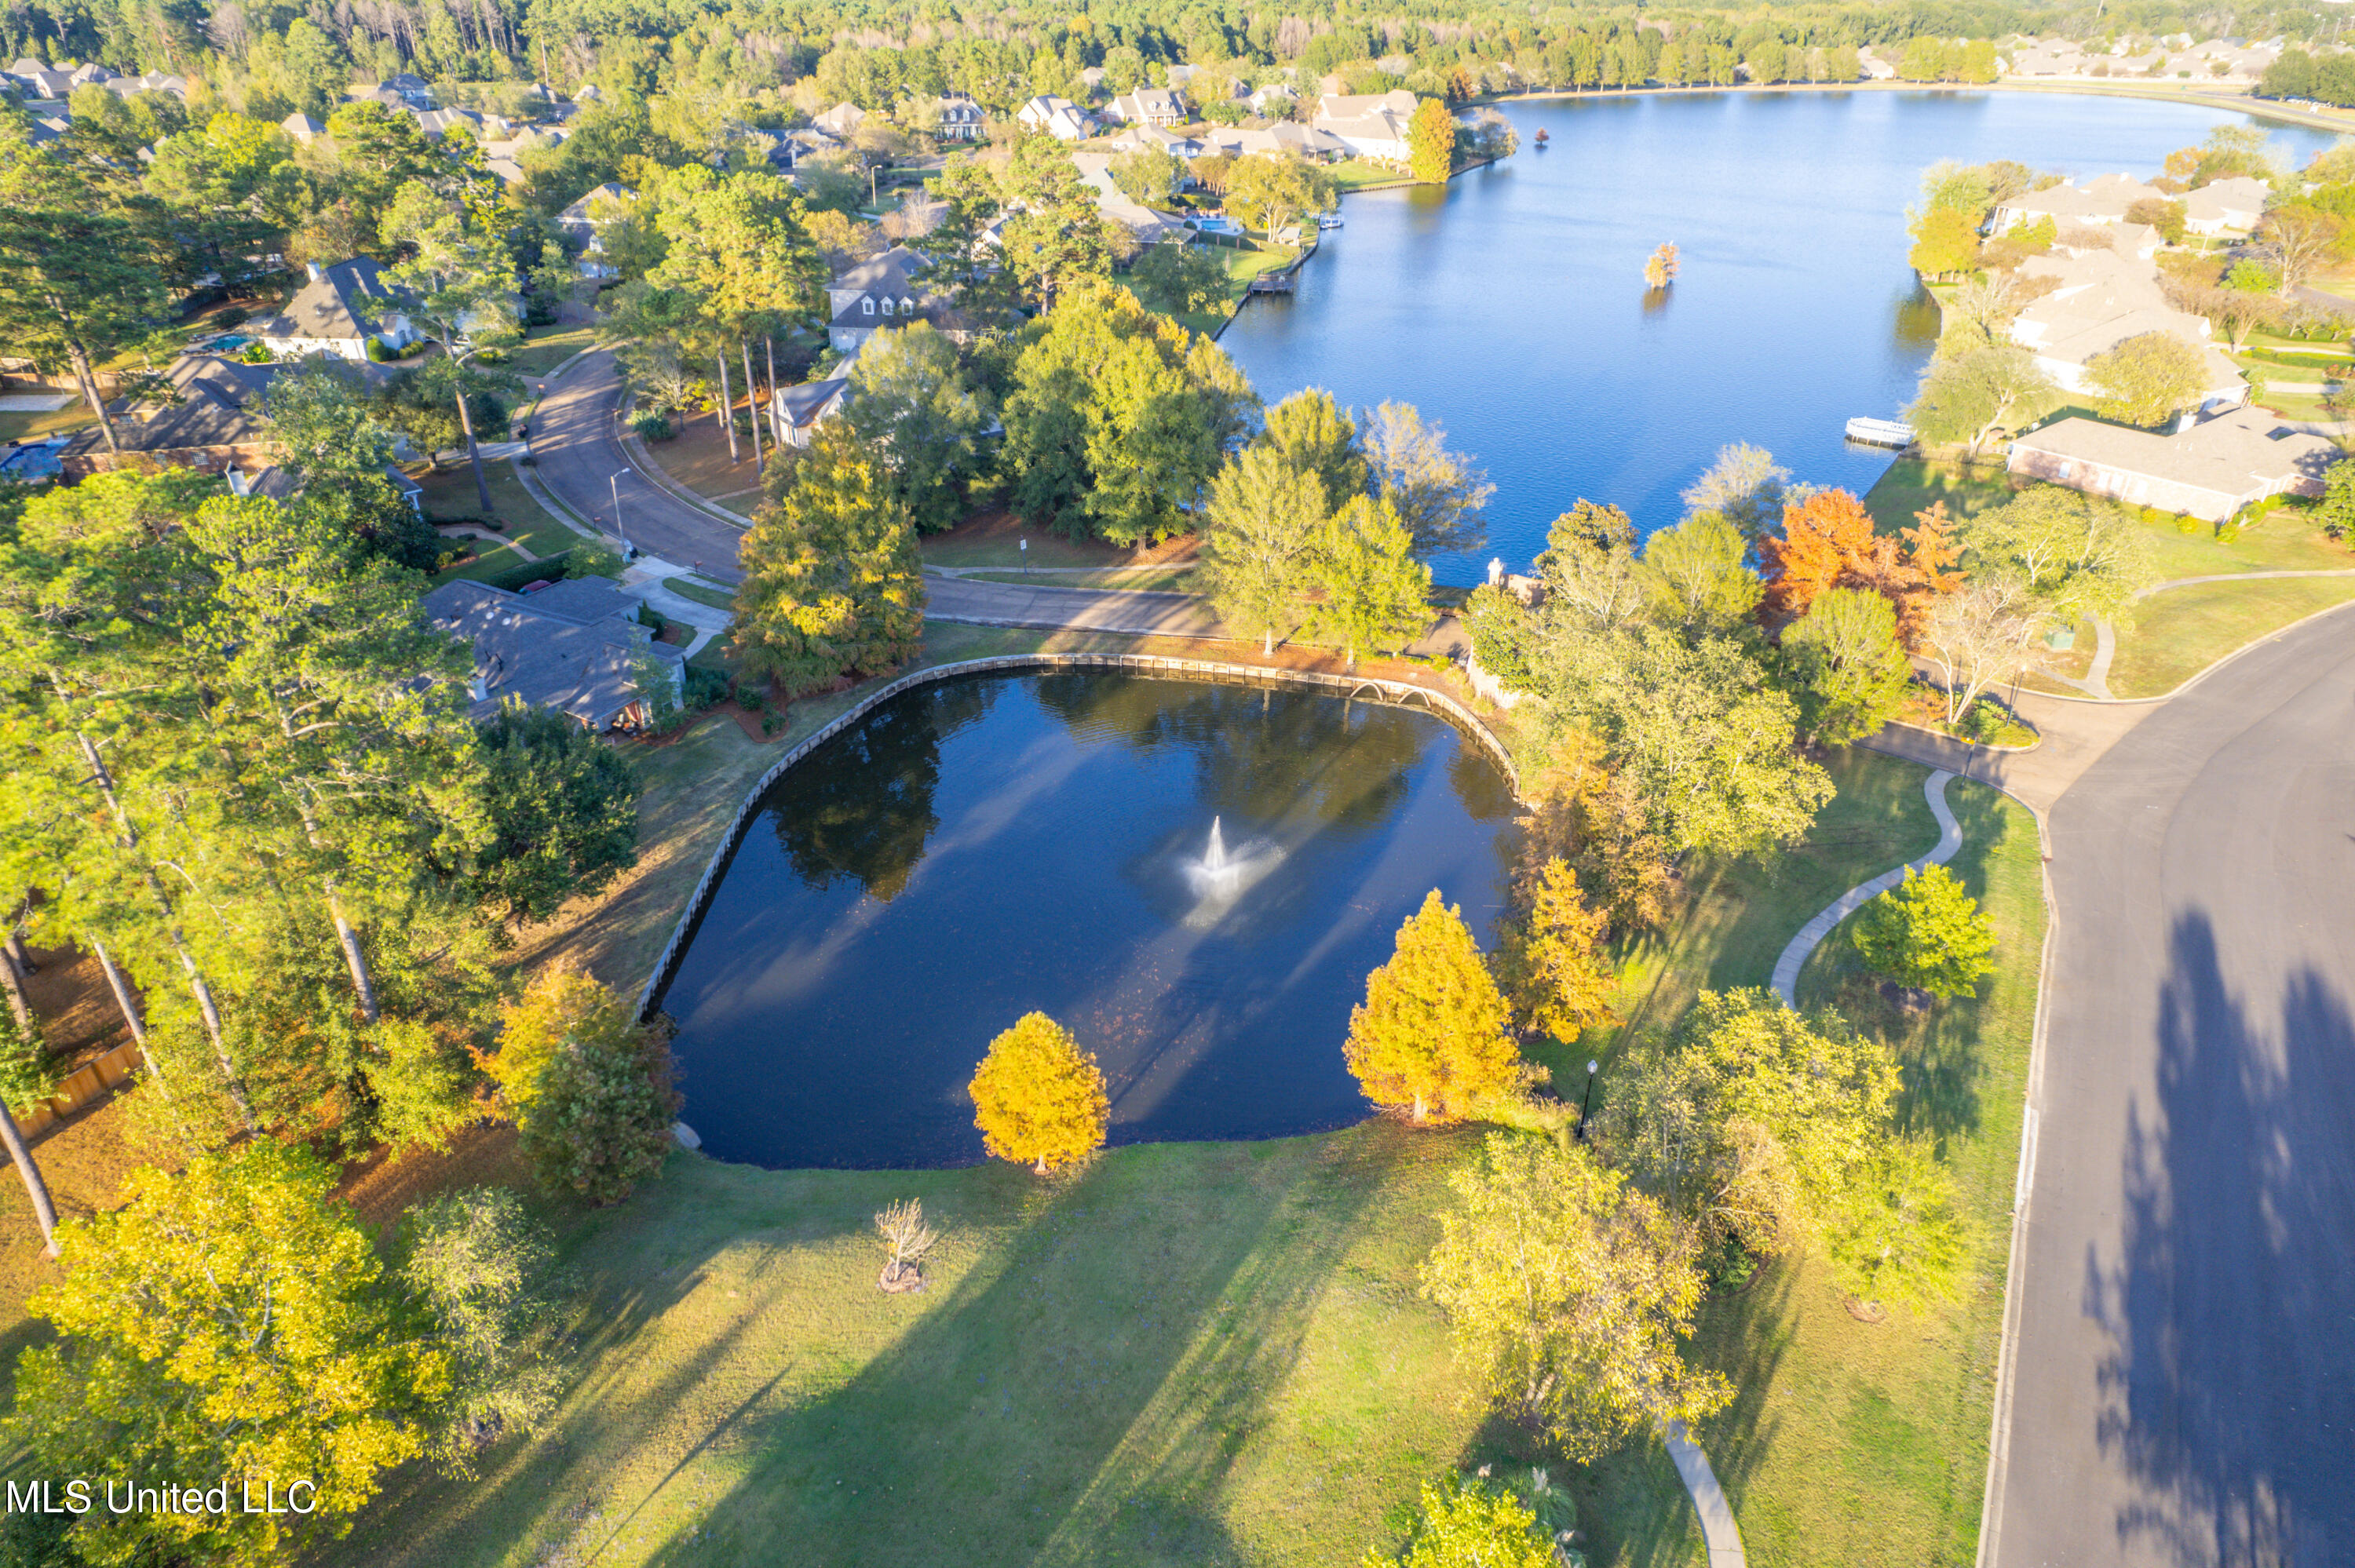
point(1946, 242)
point(1431, 143)
point(1968, 397)
point(1744, 485)
point(227, 1326)
point(597, 1108)
point(460, 286)
point(2301, 239)
point(1927, 933)
point(481, 1270)
point(1829, 540)
point(1551, 962)
point(1038, 1098)
point(2147, 380)
point(1181, 279)
point(1693, 577)
point(1265, 520)
point(1431, 1034)
point(1314, 435)
point(1270, 191)
point(906, 1237)
point(1439, 493)
point(1472, 1524)
point(1371, 591)
point(1057, 234)
point(2073, 554)
point(1977, 312)
point(340, 450)
point(1594, 582)
point(80, 260)
point(832, 585)
point(563, 813)
point(1977, 636)
point(1846, 666)
point(1568, 1295)
point(1149, 176)
point(2167, 216)
point(921, 420)
point(1660, 267)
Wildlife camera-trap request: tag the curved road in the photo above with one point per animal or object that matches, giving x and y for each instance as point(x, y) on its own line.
point(2183, 1381)
point(576, 457)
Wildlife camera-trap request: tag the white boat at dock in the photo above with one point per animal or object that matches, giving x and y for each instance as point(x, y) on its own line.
point(1329, 220)
point(1880, 433)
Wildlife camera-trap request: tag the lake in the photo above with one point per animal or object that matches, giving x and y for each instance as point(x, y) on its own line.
point(986, 846)
point(1510, 305)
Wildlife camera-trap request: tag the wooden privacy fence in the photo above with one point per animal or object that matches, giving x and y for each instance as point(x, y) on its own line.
point(1399, 694)
point(92, 1081)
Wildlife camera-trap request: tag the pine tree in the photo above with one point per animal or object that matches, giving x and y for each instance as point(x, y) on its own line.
point(1374, 593)
point(832, 583)
point(1038, 1098)
point(1431, 1034)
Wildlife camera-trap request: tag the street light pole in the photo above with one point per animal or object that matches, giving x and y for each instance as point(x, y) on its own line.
point(1585, 1104)
point(614, 483)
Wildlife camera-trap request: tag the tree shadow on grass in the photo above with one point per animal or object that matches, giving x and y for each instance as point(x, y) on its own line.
point(1083, 1398)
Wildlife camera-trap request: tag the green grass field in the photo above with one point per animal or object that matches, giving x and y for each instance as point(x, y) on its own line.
point(450, 494)
point(1210, 1353)
point(718, 598)
point(1911, 485)
point(544, 348)
point(2179, 633)
point(54, 422)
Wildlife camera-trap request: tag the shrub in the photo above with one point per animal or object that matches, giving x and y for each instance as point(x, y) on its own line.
point(649, 616)
point(2187, 524)
point(705, 687)
point(551, 568)
point(27, 1077)
point(481, 1269)
point(1038, 1098)
point(653, 427)
point(378, 352)
point(593, 558)
point(599, 1117)
point(256, 353)
point(235, 316)
point(752, 695)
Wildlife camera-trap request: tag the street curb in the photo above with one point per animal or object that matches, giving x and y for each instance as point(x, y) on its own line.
point(635, 453)
point(550, 504)
point(2277, 632)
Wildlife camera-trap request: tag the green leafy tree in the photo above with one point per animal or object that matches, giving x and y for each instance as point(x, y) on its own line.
point(378, 152)
point(1259, 539)
point(2070, 554)
point(1438, 492)
point(335, 444)
point(1968, 397)
point(563, 813)
point(1927, 933)
point(483, 1272)
point(1569, 1295)
point(1149, 176)
point(230, 1325)
point(1371, 591)
point(921, 418)
point(1431, 142)
point(1270, 192)
point(1181, 279)
point(1432, 1032)
point(1314, 435)
point(596, 1102)
point(1946, 242)
point(460, 287)
point(1057, 234)
point(1472, 1524)
point(1693, 576)
point(2146, 379)
point(1847, 669)
point(1038, 1098)
point(832, 583)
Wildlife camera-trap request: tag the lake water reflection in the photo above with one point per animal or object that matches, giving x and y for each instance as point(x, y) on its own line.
point(982, 847)
point(1510, 303)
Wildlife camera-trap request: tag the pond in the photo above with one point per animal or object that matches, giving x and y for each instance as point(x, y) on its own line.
point(1510, 305)
point(986, 846)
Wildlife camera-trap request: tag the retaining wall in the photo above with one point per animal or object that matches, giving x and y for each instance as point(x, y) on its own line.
point(1396, 692)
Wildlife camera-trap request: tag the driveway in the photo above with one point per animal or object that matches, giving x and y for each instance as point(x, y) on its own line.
point(2183, 1385)
point(577, 457)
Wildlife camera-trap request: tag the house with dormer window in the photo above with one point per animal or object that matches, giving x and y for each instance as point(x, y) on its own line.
point(882, 292)
point(960, 119)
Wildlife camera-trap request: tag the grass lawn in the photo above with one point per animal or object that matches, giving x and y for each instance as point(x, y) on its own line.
point(2179, 633)
point(450, 494)
point(995, 539)
point(697, 457)
point(26, 427)
point(1912, 486)
point(718, 598)
point(545, 348)
point(1168, 579)
point(1242, 266)
point(1363, 174)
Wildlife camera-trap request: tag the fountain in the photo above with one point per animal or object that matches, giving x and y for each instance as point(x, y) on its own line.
point(1220, 875)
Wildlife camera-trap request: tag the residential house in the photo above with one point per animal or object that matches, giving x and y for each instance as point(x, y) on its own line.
point(576, 646)
point(211, 420)
point(961, 120)
point(1299, 140)
point(302, 128)
point(799, 410)
point(1372, 125)
point(1275, 100)
point(283, 485)
point(2099, 201)
point(2209, 469)
point(437, 121)
point(1159, 107)
point(584, 222)
point(1059, 117)
point(1149, 227)
point(337, 311)
point(882, 292)
point(92, 75)
point(151, 81)
point(2100, 299)
point(787, 150)
point(1152, 138)
point(43, 83)
point(402, 90)
point(841, 121)
point(2226, 206)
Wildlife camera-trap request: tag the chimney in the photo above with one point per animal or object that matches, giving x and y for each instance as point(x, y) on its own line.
point(315, 273)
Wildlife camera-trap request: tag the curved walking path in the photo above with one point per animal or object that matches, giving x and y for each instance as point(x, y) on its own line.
point(1717, 1530)
point(1811, 934)
point(2096, 681)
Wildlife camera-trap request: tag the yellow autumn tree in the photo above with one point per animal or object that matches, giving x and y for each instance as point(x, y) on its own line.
point(1038, 1098)
point(1432, 1032)
point(1556, 976)
point(561, 1001)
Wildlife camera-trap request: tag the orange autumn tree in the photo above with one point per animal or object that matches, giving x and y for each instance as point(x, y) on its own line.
point(1829, 541)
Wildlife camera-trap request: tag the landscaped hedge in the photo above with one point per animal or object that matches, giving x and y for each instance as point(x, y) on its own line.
point(548, 567)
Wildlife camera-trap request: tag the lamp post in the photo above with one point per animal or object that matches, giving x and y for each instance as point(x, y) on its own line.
point(1584, 1105)
point(614, 483)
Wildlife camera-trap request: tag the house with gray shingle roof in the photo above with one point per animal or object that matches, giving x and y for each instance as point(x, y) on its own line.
point(337, 311)
point(882, 292)
point(575, 646)
point(2209, 469)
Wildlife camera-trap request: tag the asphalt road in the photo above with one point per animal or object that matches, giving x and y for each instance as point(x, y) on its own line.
point(2183, 1390)
point(577, 457)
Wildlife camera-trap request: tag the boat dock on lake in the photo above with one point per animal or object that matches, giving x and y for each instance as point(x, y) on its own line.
point(1880, 433)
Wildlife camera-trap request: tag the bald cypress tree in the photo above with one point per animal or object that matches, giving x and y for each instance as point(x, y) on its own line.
point(1430, 1034)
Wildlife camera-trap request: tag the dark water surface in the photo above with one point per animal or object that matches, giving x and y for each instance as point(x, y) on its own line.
point(1510, 303)
point(983, 847)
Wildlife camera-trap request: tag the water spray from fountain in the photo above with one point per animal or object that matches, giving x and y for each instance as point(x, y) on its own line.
point(1220, 875)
